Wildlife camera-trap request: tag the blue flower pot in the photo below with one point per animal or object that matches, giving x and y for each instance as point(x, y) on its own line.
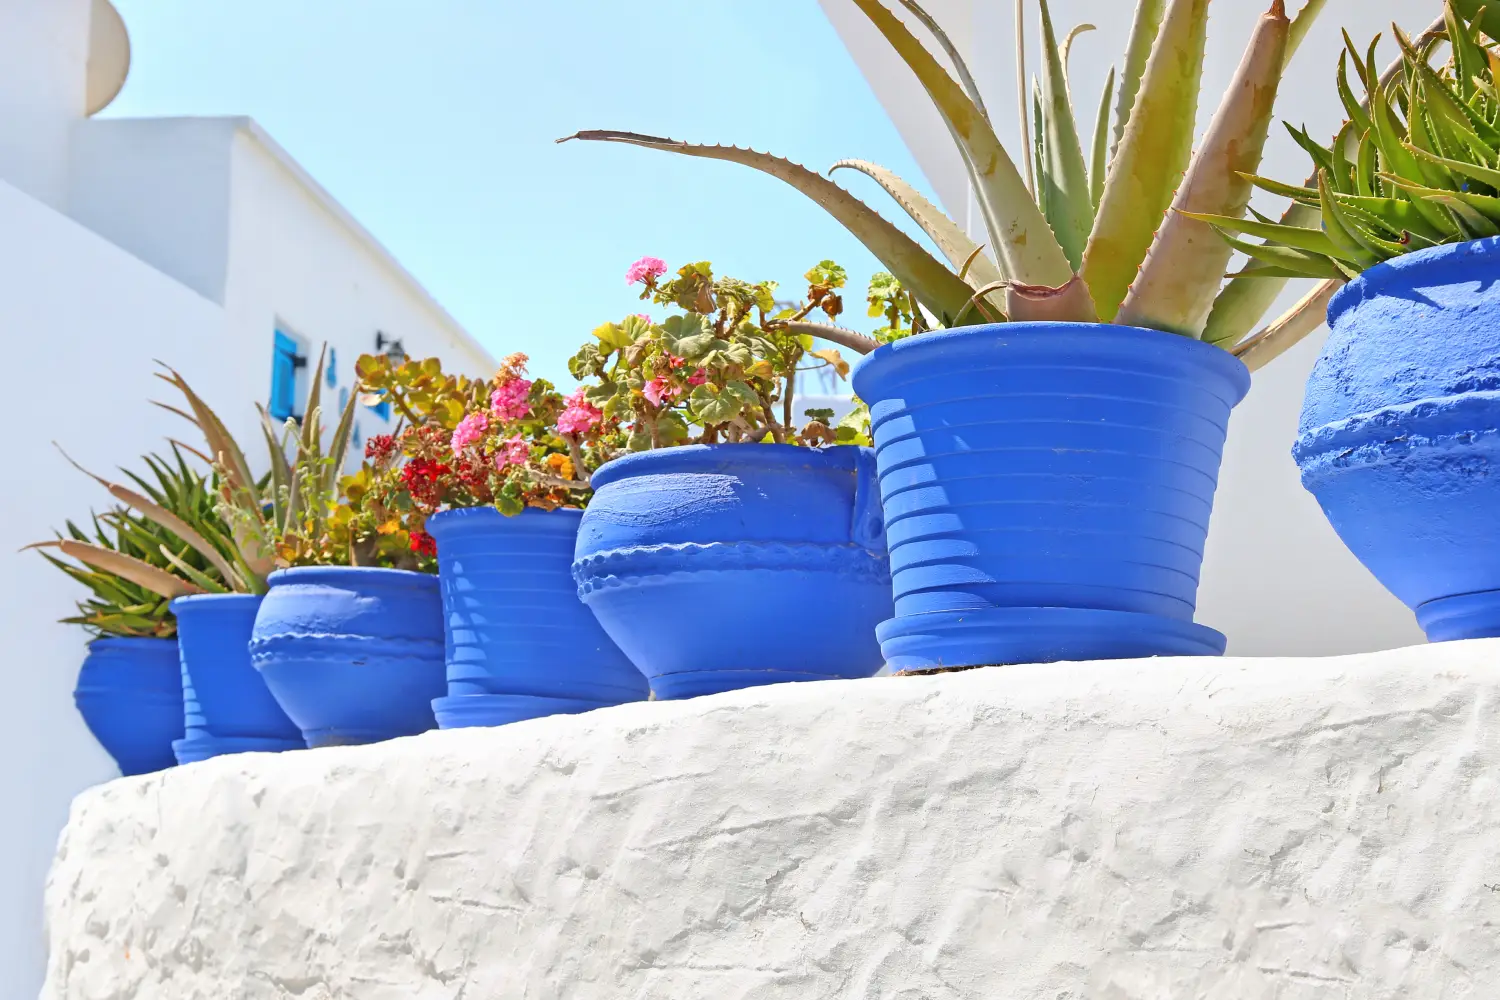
point(223, 695)
point(717, 567)
point(130, 696)
point(1047, 490)
point(352, 654)
point(1400, 432)
point(476, 710)
point(190, 750)
point(513, 621)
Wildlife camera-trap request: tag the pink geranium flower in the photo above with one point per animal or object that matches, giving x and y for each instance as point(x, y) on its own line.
point(646, 267)
point(512, 451)
point(659, 389)
point(470, 430)
point(510, 401)
point(698, 377)
point(579, 416)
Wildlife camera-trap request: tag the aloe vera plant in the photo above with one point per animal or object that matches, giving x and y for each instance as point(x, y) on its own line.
point(1104, 231)
point(1413, 167)
point(132, 565)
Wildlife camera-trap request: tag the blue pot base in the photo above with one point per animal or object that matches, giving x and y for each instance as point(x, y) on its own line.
point(1463, 616)
point(198, 748)
point(484, 710)
point(692, 684)
point(999, 636)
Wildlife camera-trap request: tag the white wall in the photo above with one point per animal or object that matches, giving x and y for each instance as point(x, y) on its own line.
point(82, 321)
point(43, 47)
point(1276, 579)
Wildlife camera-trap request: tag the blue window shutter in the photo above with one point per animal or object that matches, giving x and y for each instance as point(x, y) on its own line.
point(283, 402)
point(333, 368)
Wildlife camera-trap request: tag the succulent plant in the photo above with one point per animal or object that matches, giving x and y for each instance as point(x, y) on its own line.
point(1108, 236)
point(1414, 165)
point(134, 565)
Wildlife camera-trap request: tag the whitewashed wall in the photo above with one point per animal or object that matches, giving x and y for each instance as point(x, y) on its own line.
point(1275, 579)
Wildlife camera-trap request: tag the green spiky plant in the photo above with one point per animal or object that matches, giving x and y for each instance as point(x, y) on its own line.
point(1103, 237)
point(132, 565)
point(1413, 167)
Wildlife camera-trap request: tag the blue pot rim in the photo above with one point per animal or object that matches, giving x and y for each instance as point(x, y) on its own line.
point(1405, 270)
point(354, 577)
point(1125, 342)
point(719, 457)
point(224, 603)
point(126, 641)
point(462, 520)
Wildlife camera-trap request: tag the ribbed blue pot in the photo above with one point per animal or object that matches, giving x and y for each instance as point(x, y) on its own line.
point(717, 567)
point(513, 623)
point(129, 693)
point(223, 695)
point(1400, 432)
point(352, 654)
point(1047, 490)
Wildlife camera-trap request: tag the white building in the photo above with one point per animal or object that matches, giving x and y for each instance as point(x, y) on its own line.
point(199, 242)
point(1276, 579)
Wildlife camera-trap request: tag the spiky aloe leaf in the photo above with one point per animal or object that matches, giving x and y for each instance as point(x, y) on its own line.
point(1244, 300)
point(1143, 31)
point(1283, 258)
point(959, 66)
point(1301, 24)
point(1099, 160)
point(1484, 204)
point(1284, 332)
point(1151, 158)
point(1021, 237)
point(158, 581)
point(221, 443)
point(1183, 271)
point(1070, 204)
point(1314, 241)
point(943, 231)
point(938, 288)
point(1487, 13)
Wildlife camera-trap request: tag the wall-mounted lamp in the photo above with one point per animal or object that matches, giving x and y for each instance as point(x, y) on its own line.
point(390, 347)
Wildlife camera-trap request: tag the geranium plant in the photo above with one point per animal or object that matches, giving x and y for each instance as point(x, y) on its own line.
point(1105, 236)
point(724, 367)
point(510, 442)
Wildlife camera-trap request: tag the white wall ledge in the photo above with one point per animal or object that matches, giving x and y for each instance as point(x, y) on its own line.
point(1221, 829)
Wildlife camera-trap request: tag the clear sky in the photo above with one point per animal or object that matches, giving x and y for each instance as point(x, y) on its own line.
point(433, 123)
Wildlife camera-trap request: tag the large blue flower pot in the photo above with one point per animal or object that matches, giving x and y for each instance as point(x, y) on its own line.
point(223, 695)
point(513, 623)
point(352, 654)
point(717, 567)
point(1400, 432)
point(1047, 489)
point(130, 695)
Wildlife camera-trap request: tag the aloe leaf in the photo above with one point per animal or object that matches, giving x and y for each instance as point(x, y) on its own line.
point(1486, 205)
point(1440, 96)
point(1023, 241)
point(1395, 156)
point(1181, 277)
point(1308, 264)
point(1300, 26)
point(1099, 161)
point(1469, 59)
point(1070, 203)
point(1352, 105)
point(1151, 158)
point(1289, 328)
point(1244, 300)
point(197, 577)
point(1474, 222)
point(221, 443)
point(1069, 303)
point(1307, 195)
point(948, 235)
point(142, 574)
point(934, 284)
point(1314, 241)
point(343, 433)
point(959, 66)
point(1473, 171)
point(1039, 154)
point(1144, 28)
point(1341, 233)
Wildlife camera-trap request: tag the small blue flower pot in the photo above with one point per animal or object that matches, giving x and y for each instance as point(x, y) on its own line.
point(352, 654)
point(223, 695)
point(1400, 432)
point(513, 621)
point(130, 696)
point(1047, 489)
point(716, 567)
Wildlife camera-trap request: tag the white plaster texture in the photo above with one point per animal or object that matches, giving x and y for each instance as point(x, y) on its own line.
point(1208, 829)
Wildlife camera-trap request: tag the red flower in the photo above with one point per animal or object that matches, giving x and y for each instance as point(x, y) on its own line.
point(380, 448)
point(423, 544)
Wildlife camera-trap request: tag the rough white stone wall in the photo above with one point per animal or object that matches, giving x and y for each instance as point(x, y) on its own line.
point(1209, 829)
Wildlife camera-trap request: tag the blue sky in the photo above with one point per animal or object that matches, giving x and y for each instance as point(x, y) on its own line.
point(434, 124)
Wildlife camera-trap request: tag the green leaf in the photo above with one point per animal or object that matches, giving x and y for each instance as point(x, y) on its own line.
point(714, 406)
point(1151, 157)
point(1307, 265)
point(1143, 31)
point(690, 337)
point(1069, 199)
point(613, 336)
point(1245, 300)
point(1100, 158)
point(1301, 24)
point(1024, 242)
point(938, 288)
point(949, 237)
point(1313, 241)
